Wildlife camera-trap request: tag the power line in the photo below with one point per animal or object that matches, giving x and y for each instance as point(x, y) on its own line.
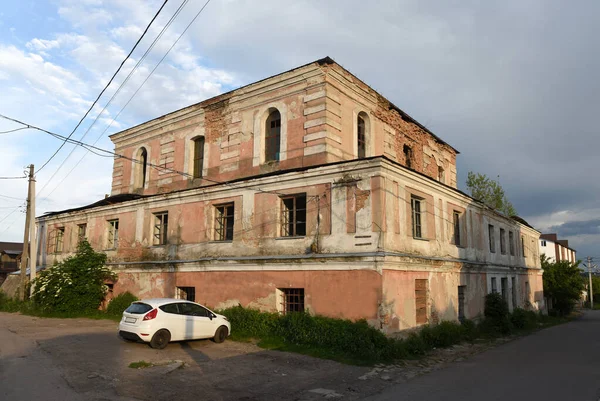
point(12, 178)
point(105, 87)
point(11, 197)
point(134, 69)
point(12, 130)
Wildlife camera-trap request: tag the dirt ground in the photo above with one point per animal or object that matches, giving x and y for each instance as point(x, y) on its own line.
point(82, 359)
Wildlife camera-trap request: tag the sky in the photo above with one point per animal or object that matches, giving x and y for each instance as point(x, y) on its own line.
point(513, 85)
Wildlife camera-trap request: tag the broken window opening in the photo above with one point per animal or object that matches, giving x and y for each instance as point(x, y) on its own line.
point(293, 216)
point(407, 156)
point(113, 234)
point(224, 222)
point(273, 136)
point(161, 225)
point(492, 238)
point(81, 232)
point(441, 175)
point(60, 235)
point(198, 156)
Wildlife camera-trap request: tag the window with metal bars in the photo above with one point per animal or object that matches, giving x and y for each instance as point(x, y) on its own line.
point(456, 221)
point(361, 138)
point(415, 204)
point(60, 236)
point(81, 232)
point(198, 156)
point(293, 216)
point(293, 300)
point(113, 234)
point(161, 226)
point(273, 136)
point(224, 222)
point(187, 293)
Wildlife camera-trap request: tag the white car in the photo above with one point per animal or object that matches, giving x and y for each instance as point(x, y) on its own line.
point(161, 320)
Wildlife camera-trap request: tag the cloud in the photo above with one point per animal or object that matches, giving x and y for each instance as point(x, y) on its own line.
point(573, 228)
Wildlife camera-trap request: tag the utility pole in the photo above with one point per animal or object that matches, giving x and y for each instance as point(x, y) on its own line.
point(591, 290)
point(32, 236)
point(25, 254)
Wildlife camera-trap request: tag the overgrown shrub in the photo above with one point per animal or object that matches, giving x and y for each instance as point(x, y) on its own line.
point(495, 306)
point(443, 335)
point(470, 330)
point(523, 319)
point(75, 285)
point(117, 306)
point(250, 322)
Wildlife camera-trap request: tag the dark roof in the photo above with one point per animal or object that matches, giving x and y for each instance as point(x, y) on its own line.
point(11, 246)
point(12, 252)
point(322, 61)
point(110, 200)
point(522, 221)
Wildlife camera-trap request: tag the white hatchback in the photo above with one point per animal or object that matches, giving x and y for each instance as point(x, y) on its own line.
point(161, 320)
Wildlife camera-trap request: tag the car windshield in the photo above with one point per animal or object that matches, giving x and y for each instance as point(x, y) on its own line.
point(138, 308)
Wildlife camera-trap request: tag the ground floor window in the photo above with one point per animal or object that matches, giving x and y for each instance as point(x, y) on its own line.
point(293, 300)
point(514, 292)
point(504, 289)
point(187, 293)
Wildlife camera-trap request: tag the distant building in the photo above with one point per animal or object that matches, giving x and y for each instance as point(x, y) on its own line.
point(10, 258)
point(556, 249)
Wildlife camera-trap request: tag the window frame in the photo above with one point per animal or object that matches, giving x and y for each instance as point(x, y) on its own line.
point(81, 236)
point(294, 223)
point(59, 240)
point(222, 231)
point(186, 293)
point(456, 216)
point(113, 234)
point(492, 237)
point(160, 228)
point(416, 202)
point(494, 285)
point(361, 136)
point(523, 246)
point(502, 241)
point(199, 143)
point(511, 243)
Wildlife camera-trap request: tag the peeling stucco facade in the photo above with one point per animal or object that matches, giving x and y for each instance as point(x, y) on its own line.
point(357, 259)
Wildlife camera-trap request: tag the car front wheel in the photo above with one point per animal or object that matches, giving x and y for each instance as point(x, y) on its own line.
point(220, 335)
point(160, 339)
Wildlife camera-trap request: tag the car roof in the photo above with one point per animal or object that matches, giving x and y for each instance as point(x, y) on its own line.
point(156, 302)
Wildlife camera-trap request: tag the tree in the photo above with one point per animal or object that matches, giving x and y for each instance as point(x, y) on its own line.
point(75, 285)
point(562, 283)
point(489, 192)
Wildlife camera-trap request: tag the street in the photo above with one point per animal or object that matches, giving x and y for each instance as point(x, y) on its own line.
point(559, 363)
point(82, 359)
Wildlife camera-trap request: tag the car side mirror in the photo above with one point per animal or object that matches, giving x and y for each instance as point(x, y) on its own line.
point(210, 316)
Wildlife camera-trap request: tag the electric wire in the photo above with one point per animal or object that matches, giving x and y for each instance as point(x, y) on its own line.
point(105, 87)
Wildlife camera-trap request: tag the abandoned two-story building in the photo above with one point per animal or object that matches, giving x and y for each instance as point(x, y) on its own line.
point(307, 190)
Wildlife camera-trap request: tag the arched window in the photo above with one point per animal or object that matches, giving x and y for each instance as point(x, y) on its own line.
point(140, 169)
point(198, 156)
point(361, 136)
point(273, 136)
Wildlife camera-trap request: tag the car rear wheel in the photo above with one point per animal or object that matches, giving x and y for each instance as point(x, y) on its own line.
point(220, 335)
point(160, 339)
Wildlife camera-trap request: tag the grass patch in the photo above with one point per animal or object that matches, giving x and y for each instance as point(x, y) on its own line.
point(140, 365)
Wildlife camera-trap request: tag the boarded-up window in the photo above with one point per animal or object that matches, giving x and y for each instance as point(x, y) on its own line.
point(421, 300)
point(461, 302)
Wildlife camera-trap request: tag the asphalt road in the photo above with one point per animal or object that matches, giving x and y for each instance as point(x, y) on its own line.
point(560, 363)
